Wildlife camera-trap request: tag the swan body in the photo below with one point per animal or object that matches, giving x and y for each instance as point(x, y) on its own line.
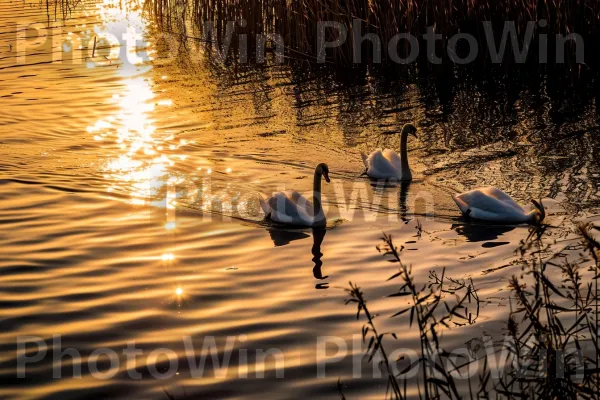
point(492, 204)
point(292, 208)
point(387, 164)
point(289, 207)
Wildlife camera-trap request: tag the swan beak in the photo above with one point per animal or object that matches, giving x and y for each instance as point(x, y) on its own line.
point(326, 176)
point(414, 134)
point(541, 209)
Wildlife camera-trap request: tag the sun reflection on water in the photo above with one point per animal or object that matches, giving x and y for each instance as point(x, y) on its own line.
point(137, 163)
point(145, 162)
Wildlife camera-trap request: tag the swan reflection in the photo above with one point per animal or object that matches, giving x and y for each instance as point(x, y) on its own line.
point(282, 237)
point(402, 200)
point(481, 233)
point(318, 236)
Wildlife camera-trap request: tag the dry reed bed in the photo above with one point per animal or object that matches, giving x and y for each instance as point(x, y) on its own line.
point(297, 20)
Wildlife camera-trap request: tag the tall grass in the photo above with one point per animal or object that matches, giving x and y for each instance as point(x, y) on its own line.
point(429, 311)
point(62, 8)
point(552, 330)
point(296, 21)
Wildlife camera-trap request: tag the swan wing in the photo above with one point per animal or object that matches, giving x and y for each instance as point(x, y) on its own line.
point(489, 204)
point(508, 215)
point(503, 197)
point(290, 207)
point(379, 167)
point(480, 199)
point(393, 158)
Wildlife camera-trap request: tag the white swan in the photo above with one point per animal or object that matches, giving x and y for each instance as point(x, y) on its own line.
point(291, 208)
point(387, 164)
point(492, 204)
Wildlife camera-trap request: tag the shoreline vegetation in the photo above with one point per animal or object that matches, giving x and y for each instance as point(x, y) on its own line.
point(60, 8)
point(297, 25)
point(550, 349)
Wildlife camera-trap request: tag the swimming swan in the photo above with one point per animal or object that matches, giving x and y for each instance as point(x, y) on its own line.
point(291, 208)
point(492, 204)
point(387, 164)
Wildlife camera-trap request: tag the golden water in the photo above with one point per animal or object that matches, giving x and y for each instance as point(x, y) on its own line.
point(108, 235)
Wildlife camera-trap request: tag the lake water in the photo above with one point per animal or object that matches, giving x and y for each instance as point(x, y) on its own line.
point(129, 183)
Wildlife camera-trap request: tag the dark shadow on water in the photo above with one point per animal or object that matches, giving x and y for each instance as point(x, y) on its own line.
point(402, 197)
point(318, 236)
point(491, 245)
point(389, 183)
point(482, 233)
point(282, 237)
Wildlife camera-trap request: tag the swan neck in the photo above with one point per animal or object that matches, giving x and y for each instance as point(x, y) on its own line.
point(404, 151)
point(317, 195)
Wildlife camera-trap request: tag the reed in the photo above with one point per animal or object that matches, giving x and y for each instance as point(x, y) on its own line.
point(296, 21)
point(552, 330)
point(62, 8)
point(429, 311)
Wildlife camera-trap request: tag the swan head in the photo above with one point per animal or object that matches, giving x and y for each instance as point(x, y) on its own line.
point(539, 212)
point(409, 129)
point(323, 169)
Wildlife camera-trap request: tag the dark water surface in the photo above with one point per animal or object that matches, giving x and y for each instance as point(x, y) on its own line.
point(129, 210)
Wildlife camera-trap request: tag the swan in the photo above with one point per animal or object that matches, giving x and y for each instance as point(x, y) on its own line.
point(387, 164)
point(291, 208)
point(492, 204)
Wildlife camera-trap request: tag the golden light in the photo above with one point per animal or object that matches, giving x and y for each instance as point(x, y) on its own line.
point(170, 225)
point(179, 291)
point(136, 163)
point(168, 257)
